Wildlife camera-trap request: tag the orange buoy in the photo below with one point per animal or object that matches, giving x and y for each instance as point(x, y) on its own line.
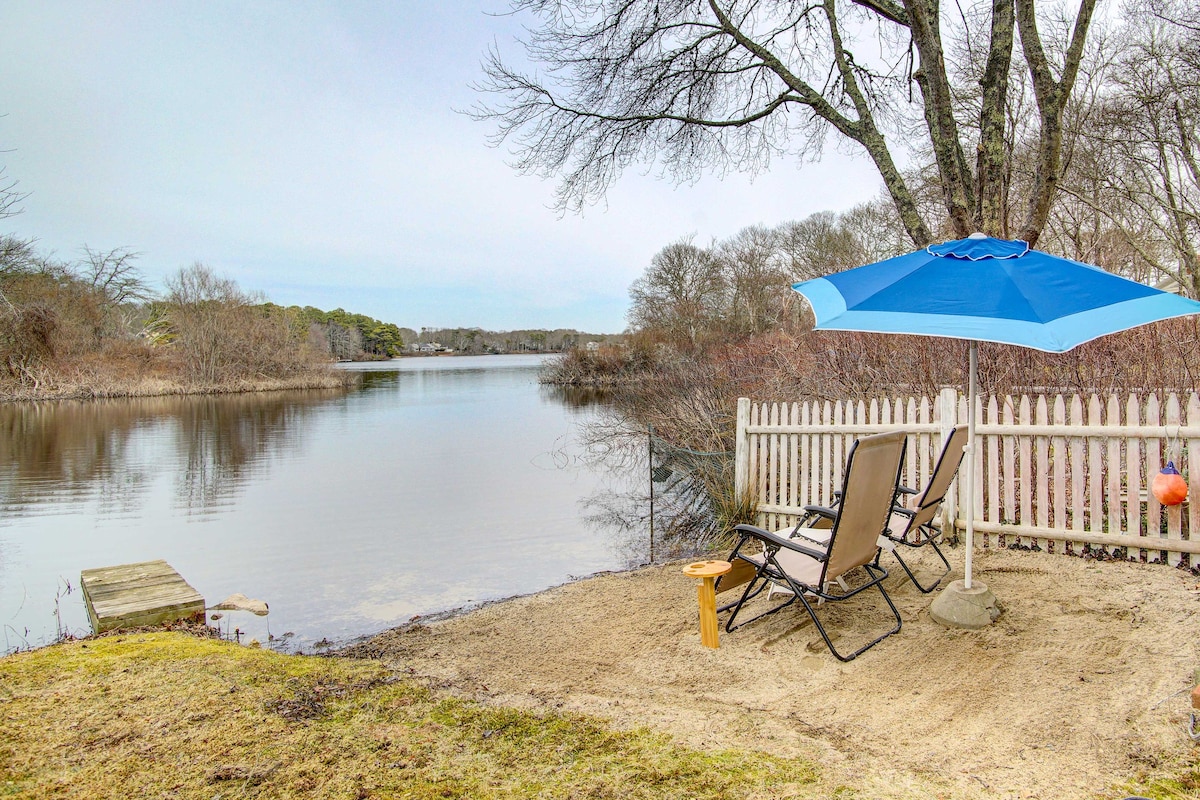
point(1169, 486)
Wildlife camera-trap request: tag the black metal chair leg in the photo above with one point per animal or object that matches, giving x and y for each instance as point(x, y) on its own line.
point(878, 583)
point(921, 587)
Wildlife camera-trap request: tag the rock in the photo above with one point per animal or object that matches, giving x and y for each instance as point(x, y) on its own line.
point(239, 602)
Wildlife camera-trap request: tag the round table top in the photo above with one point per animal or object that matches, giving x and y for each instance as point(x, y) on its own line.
point(707, 569)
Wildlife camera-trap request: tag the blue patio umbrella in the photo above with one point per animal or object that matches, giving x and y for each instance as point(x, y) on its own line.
point(990, 290)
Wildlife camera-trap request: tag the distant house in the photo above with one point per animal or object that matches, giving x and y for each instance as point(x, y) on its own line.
point(592, 347)
point(427, 347)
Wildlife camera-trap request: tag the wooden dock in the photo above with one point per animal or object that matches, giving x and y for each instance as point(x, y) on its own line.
point(135, 595)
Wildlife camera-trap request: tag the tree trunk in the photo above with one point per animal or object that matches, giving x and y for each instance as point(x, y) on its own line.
point(991, 187)
point(1051, 99)
point(939, 114)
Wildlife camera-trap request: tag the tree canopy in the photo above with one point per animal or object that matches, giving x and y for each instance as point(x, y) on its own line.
point(692, 85)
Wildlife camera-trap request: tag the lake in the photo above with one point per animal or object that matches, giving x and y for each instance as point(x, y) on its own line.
point(438, 483)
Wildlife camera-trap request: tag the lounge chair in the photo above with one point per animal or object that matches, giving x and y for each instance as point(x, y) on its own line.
point(911, 523)
point(810, 567)
point(912, 526)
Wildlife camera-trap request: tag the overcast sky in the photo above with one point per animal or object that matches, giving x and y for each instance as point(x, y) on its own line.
point(312, 152)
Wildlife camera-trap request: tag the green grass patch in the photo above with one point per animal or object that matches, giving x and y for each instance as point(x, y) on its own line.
point(169, 715)
point(1182, 783)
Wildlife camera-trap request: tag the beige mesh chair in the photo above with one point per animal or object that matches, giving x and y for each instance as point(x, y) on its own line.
point(912, 523)
point(810, 568)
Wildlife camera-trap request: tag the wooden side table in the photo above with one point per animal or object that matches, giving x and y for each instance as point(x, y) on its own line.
point(707, 572)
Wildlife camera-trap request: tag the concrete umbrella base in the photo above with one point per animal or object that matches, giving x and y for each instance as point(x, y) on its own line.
point(960, 607)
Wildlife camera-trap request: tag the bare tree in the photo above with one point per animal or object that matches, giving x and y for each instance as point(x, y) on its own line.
point(756, 278)
point(10, 198)
point(344, 342)
point(682, 293)
point(731, 84)
point(1137, 177)
point(819, 244)
point(113, 275)
point(17, 256)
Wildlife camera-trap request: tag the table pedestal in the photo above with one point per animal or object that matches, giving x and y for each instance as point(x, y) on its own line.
point(707, 572)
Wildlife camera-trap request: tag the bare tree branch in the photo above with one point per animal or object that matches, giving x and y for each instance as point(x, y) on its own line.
point(711, 85)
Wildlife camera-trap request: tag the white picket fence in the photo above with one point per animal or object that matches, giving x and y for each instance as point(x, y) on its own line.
point(1053, 470)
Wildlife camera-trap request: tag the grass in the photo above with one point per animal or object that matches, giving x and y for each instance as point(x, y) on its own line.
point(169, 715)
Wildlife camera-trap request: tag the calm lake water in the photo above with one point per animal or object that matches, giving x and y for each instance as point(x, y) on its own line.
point(439, 483)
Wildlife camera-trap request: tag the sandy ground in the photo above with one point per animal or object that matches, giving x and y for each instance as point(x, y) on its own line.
point(1080, 685)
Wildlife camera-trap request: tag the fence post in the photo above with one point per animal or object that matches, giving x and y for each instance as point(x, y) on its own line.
point(947, 418)
point(741, 450)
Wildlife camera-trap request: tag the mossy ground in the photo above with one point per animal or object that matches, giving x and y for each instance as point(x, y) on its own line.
point(169, 715)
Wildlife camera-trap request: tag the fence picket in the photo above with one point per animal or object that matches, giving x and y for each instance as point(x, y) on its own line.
point(992, 504)
point(1027, 477)
point(773, 467)
point(805, 495)
point(1112, 497)
point(1154, 520)
point(979, 474)
point(1175, 512)
point(1095, 468)
point(828, 444)
point(794, 458)
point(1010, 479)
point(761, 456)
point(918, 414)
point(1059, 448)
point(1133, 471)
point(1193, 474)
point(1043, 468)
point(1077, 467)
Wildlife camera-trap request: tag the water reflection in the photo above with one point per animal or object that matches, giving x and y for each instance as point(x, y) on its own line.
point(585, 397)
point(223, 439)
point(56, 455)
point(378, 378)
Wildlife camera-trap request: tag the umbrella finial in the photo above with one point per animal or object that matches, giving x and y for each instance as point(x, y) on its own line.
point(978, 235)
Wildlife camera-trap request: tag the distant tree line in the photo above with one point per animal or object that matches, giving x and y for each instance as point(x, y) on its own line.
point(477, 341)
point(92, 326)
point(345, 336)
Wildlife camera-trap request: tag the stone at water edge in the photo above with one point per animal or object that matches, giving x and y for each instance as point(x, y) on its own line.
point(239, 602)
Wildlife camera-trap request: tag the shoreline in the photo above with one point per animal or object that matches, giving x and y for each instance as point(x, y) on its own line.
point(331, 379)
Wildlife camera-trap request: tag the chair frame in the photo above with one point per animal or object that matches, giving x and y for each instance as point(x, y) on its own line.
point(918, 534)
point(770, 571)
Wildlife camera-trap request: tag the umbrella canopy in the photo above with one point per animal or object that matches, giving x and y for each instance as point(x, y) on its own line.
point(992, 290)
point(989, 290)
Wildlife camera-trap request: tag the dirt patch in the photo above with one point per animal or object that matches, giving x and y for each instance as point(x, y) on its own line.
point(1080, 686)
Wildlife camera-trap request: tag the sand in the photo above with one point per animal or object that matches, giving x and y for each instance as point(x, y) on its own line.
point(1081, 686)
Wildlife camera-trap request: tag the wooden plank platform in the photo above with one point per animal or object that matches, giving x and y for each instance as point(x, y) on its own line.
point(134, 595)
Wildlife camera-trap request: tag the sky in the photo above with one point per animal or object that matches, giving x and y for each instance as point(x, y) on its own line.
point(317, 153)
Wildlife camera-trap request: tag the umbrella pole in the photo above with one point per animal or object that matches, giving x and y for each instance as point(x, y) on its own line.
point(970, 488)
point(963, 604)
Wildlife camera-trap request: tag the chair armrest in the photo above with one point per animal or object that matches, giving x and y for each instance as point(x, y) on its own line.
point(821, 511)
point(766, 537)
